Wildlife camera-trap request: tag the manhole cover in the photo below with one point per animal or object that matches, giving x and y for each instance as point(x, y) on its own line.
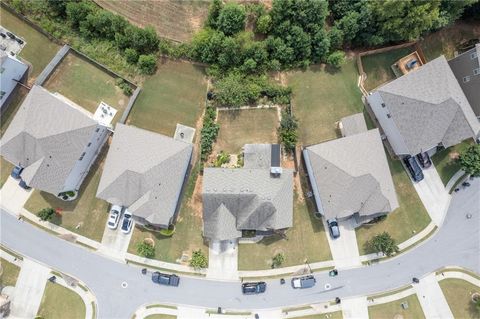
point(328, 286)
point(124, 284)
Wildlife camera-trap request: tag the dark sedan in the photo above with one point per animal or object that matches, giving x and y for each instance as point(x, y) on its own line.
point(253, 288)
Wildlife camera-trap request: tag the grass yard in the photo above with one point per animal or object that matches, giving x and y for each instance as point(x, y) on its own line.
point(240, 127)
point(85, 84)
point(330, 315)
point(447, 39)
point(59, 302)
point(378, 66)
point(322, 98)
point(407, 220)
point(39, 50)
point(8, 273)
point(160, 316)
point(445, 160)
point(175, 94)
point(188, 229)
point(394, 309)
point(458, 294)
point(87, 211)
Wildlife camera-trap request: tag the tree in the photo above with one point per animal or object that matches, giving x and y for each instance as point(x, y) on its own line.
point(131, 55)
point(46, 214)
point(470, 160)
point(231, 19)
point(77, 12)
point(146, 250)
point(278, 260)
point(288, 132)
point(320, 46)
point(336, 59)
point(235, 90)
point(58, 7)
point(383, 243)
point(147, 63)
point(336, 38)
point(199, 260)
point(213, 13)
point(264, 23)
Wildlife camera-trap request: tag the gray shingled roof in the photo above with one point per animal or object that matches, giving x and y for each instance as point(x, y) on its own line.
point(350, 175)
point(426, 107)
point(257, 155)
point(353, 124)
point(245, 199)
point(144, 171)
point(46, 137)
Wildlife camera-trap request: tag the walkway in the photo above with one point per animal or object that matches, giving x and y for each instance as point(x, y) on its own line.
point(431, 298)
point(355, 308)
point(223, 260)
point(12, 196)
point(345, 248)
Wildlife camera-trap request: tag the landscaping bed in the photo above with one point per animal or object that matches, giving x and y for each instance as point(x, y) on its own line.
point(330, 315)
point(458, 294)
point(175, 94)
point(59, 302)
point(9, 273)
point(394, 309)
point(445, 161)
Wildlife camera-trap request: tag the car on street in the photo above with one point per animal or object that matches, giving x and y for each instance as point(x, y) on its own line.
point(253, 288)
point(16, 171)
point(303, 282)
point(165, 279)
point(333, 228)
point(424, 159)
point(127, 222)
point(413, 168)
point(114, 216)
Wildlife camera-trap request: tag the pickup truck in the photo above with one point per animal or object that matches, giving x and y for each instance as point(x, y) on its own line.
point(303, 282)
point(165, 279)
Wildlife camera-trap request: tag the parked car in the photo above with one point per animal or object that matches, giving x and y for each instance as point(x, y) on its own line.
point(303, 282)
point(253, 288)
point(127, 222)
point(20, 41)
point(3, 47)
point(413, 168)
point(11, 35)
point(424, 159)
point(23, 185)
point(3, 35)
point(165, 279)
point(333, 228)
point(16, 171)
point(114, 216)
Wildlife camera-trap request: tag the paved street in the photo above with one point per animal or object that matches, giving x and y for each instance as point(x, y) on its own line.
point(456, 243)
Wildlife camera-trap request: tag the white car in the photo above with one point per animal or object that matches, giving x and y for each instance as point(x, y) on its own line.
point(127, 222)
point(114, 216)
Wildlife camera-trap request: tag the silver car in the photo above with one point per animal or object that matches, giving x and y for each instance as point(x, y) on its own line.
point(114, 216)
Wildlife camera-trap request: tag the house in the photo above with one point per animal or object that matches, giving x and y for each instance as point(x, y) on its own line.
point(423, 110)
point(349, 176)
point(12, 71)
point(257, 197)
point(145, 172)
point(466, 68)
point(54, 140)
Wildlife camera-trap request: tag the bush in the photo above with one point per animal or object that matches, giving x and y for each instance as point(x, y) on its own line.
point(288, 132)
point(199, 260)
point(222, 158)
point(278, 260)
point(231, 19)
point(147, 64)
point(125, 86)
point(209, 132)
point(131, 55)
point(470, 160)
point(336, 59)
point(145, 250)
point(168, 232)
point(383, 243)
point(46, 214)
point(264, 24)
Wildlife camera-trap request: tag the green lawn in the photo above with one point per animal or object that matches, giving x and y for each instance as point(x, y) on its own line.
point(458, 294)
point(175, 94)
point(330, 315)
point(87, 214)
point(447, 39)
point(9, 273)
point(378, 66)
point(445, 161)
point(321, 98)
point(39, 50)
point(188, 229)
point(394, 309)
point(160, 316)
point(403, 223)
point(240, 127)
point(306, 240)
point(85, 84)
point(59, 302)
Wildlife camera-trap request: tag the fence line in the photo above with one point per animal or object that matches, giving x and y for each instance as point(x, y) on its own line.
point(52, 65)
point(131, 101)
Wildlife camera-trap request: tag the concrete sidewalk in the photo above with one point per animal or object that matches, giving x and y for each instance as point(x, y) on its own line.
point(345, 248)
point(355, 308)
point(29, 289)
point(432, 300)
point(223, 260)
point(13, 197)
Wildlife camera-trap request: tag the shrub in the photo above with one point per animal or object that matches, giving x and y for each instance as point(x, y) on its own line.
point(222, 158)
point(145, 250)
point(131, 55)
point(199, 260)
point(278, 260)
point(168, 232)
point(231, 19)
point(336, 59)
point(264, 24)
point(470, 160)
point(125, 86)
point(288, 132)
point(209, 132)
point(383, 243)
point(147, 64)
point(46, 214)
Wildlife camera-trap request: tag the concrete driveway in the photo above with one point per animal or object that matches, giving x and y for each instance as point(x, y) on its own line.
point(433, 195)
point(432, 300)
point(345, 248)
point(115, 243)
point(12, 196)
point(223, 260)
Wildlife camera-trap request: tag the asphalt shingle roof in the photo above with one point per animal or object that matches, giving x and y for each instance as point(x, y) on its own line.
point(353, 124)
point(144, 171)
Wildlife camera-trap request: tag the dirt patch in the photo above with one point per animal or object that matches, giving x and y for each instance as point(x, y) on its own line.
point(454, 155)
point(196, 201)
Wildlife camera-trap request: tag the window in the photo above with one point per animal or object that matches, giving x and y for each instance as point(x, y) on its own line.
point(81, 156)
point(388, 115)
point(2, 93)
point(98, 129)
point(473, 55)
point(476, 71)
point(383, 104)
point(466, 79)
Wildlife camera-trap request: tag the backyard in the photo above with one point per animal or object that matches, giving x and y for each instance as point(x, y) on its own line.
point(87, 85)
point(59, 302)
point(38, 51)
point(403, 223)
point(445, 161)
point(321, 98)
point(175, 94)
point(188, 229)
point(240, 127)
point(8, 273)
point(394, 309)
point(378, 66)
point(458, 294)
point(85, 215)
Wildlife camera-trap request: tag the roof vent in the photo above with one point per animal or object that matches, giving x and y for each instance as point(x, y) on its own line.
point(383, 104)
point(388, 115)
